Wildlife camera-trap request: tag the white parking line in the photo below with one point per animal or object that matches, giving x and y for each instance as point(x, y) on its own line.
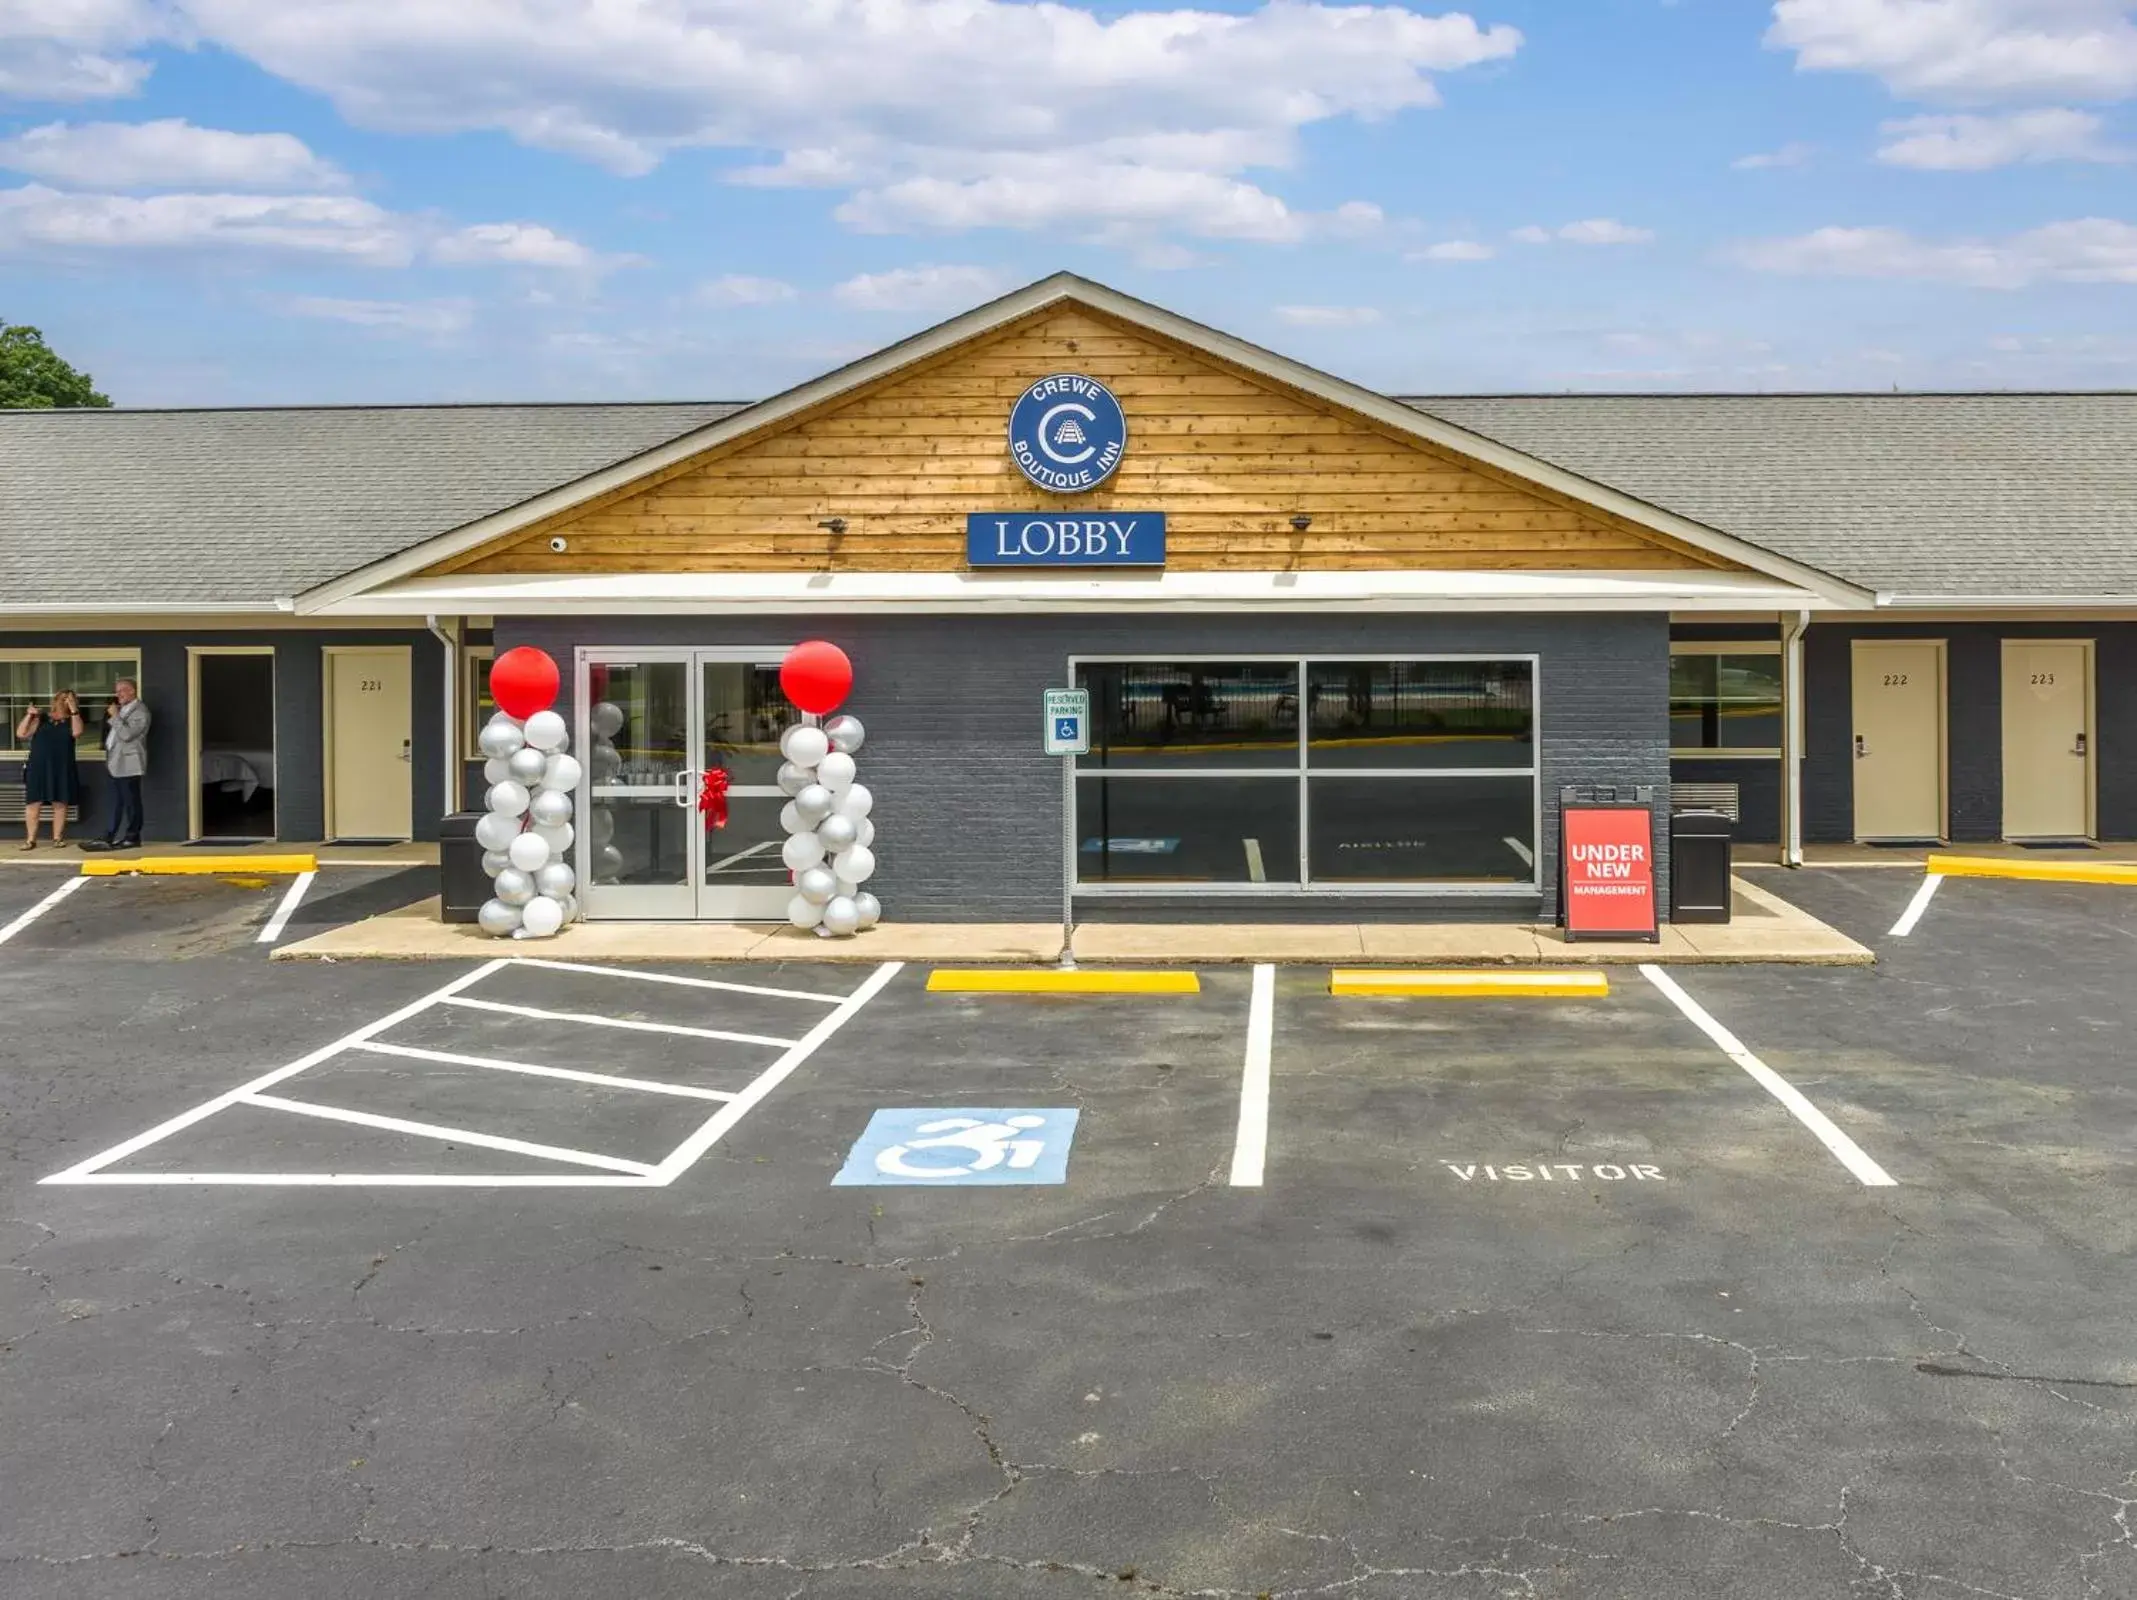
point(571, 1074)
point(1916, 906)
point(631, 1023)
point(434, 1130)
point(669, 977)
point(1250, 1148)
point(1850, 1154)
point(39, 909)
point(290, 901)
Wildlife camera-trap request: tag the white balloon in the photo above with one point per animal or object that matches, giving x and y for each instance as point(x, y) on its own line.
point(837, 832)
point(497, 919)
point(527, 764)
point(856, 865)
point(816, 885)
point(841, 915)
point(801, 851)
point(867, 830)
point(804, 745)
point(529, 852)
point(857, 801)
point(546, 731)
point(562, 772)
point(845, 733)
point(500, 739)
point(507, 799)
point(550, 808)
point(607, 718)
point(556, 880)
point(814, 804)
point(804, 913)
point(836, 772)
point(514, 887)
point(604, 821)
point(495, 832)
point(494, 862)
point(849, 890)
point(610, 867)
point(790, 820)
point(558, 838)
point(541, 917)
point(792, 779)
point(495, 770)
point(870, 908)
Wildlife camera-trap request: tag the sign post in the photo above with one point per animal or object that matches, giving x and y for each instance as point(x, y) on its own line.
point(1067, 719)
point(1606, 872)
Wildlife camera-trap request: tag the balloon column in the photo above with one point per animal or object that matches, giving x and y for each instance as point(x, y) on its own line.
point(829, 833)
point(526, 838)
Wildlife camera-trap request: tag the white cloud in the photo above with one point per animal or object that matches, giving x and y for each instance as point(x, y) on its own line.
point(1530, 234)
point(738, 289)
point(1329, 316)
point(1454, 250)
point(513, 244)
point(1977, 143)
point(1968, 50)
point(37, 218)
point(1590, 230)
point(1792, 154)
point(1051, 192)
point(66, 50)
point(427, 318)
point(919, 289)
point(170, 153)
point(2089, 250)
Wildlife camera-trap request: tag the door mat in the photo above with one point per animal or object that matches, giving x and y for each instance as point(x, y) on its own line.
point(2055, 844)
point(222, 841)
point(1903, 844)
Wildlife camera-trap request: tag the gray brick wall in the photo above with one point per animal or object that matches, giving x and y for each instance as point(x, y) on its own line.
point(969, 810)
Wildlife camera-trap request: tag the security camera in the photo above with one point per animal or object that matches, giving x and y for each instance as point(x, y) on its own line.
point(559, 544)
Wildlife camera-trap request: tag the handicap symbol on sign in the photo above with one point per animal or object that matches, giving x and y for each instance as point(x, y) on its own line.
point(944, 1146)
point(1065, 730)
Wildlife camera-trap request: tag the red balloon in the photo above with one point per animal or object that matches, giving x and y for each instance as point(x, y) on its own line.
point(523, 681)
point(816, 676)
point(597, 681)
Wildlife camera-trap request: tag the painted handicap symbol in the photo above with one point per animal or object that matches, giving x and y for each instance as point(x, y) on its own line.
point(945, 1146)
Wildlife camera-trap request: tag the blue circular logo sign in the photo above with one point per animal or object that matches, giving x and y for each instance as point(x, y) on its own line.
point(1067, 432)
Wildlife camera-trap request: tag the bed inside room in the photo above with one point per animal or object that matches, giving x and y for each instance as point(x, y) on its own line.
point(235, 751)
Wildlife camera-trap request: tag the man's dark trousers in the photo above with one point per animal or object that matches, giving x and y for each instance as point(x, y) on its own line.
point(125, 811)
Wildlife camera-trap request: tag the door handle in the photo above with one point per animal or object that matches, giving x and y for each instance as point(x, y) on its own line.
point(1861, 749)
point(2079, 748)
point(404, 750)
point(682, 789)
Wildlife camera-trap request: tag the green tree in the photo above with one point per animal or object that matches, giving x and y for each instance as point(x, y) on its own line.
point(32, 378)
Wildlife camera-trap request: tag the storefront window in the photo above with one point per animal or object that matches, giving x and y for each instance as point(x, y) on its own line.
point(1402, 773)
point(1726, 700)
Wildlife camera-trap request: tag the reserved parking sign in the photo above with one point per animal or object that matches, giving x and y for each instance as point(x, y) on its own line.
point(1606, 881)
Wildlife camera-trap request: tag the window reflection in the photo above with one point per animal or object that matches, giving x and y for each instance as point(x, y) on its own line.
point(1419, 714)
point(1161, 716)
point(1156, 830)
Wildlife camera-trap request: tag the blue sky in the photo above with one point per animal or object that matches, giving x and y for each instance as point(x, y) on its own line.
point(269, 201)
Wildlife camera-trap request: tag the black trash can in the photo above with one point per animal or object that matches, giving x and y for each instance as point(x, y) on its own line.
point(1699, 866)
point(462, 884)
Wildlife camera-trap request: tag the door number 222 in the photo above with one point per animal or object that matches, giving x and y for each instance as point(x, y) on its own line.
point(1895, 680)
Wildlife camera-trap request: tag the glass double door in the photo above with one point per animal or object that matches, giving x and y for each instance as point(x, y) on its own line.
point(652, 724)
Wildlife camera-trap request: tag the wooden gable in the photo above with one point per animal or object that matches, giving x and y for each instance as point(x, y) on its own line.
point(1229, 456)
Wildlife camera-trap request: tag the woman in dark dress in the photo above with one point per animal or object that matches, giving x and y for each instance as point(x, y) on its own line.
point(51, 778)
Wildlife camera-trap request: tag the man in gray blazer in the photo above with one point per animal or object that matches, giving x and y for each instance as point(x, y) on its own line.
point(126, 722)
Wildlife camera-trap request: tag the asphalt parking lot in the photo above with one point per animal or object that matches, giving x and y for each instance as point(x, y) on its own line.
point(460, 1280)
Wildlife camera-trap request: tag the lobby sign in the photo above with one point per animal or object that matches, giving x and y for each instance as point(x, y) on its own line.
point(1607, 874)
point(1038, 539)
point(1067, 433)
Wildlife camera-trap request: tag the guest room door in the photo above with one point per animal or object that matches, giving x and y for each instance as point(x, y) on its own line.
point(368, 784)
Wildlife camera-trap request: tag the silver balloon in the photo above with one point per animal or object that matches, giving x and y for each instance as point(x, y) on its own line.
point(837, 832)
point(792, 779)
point(814, 804)
point(804, 913)
point(607, 718)
point(606, 762)
point(558, 838)
point(857, 801)
point(500, 739)
point(556, 880)
point(527, 764)
point(604, 824)
point(495, 832)
point(563, 772)
point(551, 808)
point(867, 833)
point(570, 903)
point(497, 919)
point(841, 915)
point(790, 820)
point(801, 851)
point(816, 885)
point(495, 771)
point(494, 862)
point(514, 887)
point(870, 908)
point(845, 733)
point(609, 867)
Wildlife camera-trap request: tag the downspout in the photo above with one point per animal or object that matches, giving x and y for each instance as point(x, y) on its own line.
point(1792, 740)
point(451, 642)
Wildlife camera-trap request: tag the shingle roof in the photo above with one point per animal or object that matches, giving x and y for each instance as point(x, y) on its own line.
point(1945, 494)
point(232, 508)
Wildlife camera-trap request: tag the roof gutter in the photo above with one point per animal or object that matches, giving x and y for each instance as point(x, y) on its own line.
point(1888, 601)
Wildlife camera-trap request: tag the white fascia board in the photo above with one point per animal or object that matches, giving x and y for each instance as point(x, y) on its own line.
point(958, 592)
point(2005, 602)
point(1065, 286)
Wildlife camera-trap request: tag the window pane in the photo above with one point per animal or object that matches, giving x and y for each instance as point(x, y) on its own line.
point(1154, 830)
point(481, 707)
point(1420, 714)
point(651, 707)
point(1726, 702)
point(1412, 830)
point(1156, 716)
point(745, 712)
point(33, 683)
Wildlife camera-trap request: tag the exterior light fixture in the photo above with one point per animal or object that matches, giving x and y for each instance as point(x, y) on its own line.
point(1301, 522)
point(836, 525)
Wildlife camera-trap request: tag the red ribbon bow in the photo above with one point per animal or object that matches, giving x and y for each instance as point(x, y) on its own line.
point(712, 797)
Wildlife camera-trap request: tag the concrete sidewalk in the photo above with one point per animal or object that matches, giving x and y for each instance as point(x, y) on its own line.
point(1767, 928)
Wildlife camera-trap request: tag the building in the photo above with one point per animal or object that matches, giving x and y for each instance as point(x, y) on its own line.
point(1345, 648)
